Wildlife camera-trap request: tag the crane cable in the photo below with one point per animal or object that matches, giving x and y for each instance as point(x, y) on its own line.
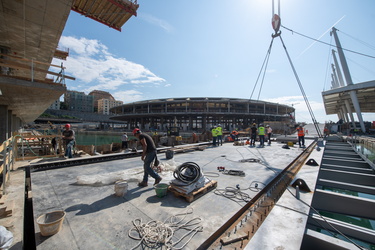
point(264, 65)
point(302, 91)
point(276, 23)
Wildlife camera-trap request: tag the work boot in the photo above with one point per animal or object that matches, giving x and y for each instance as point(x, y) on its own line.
point(157, 180)
point(142, 184)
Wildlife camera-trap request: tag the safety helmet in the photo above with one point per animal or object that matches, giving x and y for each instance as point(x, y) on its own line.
point(67, 125)
point(267, 125)
point(136, 131)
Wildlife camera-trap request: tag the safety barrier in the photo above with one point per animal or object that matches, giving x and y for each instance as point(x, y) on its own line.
point(7, 150)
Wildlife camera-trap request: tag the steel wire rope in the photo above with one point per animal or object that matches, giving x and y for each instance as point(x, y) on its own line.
point(265, 64)
point(302, 91)
point(327, 66)
point(352, 51)
point(358, 40)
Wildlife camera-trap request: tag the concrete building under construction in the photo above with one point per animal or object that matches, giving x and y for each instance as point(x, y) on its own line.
point(200, 113)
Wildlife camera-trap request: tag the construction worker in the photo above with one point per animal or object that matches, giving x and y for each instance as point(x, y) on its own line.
point(214, 132)
point(261, 133)
point(148, 156)
point(301, 136)
point(68, 137)
point(269, 133)
point(253, 134)
point(234, 135)
point(219, 135)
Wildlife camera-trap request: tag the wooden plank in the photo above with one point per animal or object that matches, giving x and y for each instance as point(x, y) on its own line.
point(29, 60)
point(195, 194)
point(21, 66)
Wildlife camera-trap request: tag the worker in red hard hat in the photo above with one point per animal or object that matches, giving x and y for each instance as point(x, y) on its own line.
point(68, 137)
point(148, 156)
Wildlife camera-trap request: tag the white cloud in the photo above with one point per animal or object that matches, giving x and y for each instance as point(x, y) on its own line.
point(302, 112)
point(95, 68)
point(156, 21)
point(82, 45)
point(128, 96)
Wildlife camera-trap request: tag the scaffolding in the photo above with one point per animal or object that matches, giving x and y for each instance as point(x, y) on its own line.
point(113, 13)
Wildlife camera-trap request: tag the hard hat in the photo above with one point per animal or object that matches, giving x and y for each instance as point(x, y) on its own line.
point(136, 131)
point(67, 125)
point(261, 124)
point(219, 125)
point(267, 125)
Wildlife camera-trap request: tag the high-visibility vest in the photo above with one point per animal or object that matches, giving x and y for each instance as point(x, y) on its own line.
point(219, 131)
point(214, 132)
point(261, 131)
point(301, 132)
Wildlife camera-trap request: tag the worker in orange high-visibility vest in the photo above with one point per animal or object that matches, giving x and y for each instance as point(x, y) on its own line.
point(301, 136)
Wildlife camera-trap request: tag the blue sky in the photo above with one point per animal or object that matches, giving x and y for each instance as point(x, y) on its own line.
point(216, 48)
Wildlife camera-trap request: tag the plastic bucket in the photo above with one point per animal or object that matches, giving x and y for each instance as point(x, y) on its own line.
point(50, 223)
point(161, 189)
point(169, 154)
point(121, 188)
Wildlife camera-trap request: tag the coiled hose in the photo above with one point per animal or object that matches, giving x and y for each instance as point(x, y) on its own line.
point(188, 172)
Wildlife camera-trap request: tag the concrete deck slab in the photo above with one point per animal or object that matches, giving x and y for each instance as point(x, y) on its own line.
point(96, 218)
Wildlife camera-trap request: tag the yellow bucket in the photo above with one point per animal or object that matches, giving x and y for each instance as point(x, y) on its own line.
point(50, 223)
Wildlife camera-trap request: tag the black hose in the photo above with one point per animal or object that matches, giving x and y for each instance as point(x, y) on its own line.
point(188, 172)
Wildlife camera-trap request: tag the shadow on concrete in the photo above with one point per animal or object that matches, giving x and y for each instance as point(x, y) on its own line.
point(107, 202)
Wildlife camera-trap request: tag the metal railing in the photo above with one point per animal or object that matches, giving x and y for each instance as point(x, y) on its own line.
point(365, 147)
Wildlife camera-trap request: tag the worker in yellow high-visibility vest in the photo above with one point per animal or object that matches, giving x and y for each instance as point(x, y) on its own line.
point(219, 130)
point(214, 136)
point(261, 133)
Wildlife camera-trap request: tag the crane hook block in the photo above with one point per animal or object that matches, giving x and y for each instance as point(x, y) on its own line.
point(276, 22)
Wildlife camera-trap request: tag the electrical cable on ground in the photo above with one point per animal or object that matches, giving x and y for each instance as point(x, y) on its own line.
point(237, 195)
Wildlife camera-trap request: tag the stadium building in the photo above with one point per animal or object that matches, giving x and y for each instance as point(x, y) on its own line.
point(201, 113)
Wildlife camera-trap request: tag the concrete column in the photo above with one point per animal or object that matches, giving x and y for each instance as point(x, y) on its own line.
point(347, 105)
point(204, 122)
point(341, 81)
point(15, 123)
point(9, 123)
point(348, 78)
point(3, 123)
